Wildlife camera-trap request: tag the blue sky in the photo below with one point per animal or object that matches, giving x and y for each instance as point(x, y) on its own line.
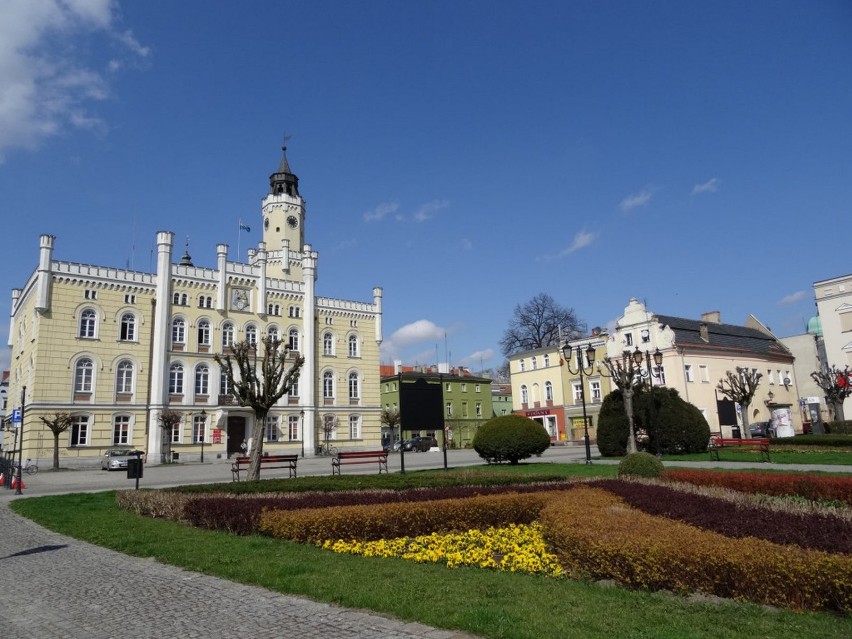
point(465, 156)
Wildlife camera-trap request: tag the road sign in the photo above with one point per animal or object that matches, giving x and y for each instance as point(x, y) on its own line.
point(16, 415)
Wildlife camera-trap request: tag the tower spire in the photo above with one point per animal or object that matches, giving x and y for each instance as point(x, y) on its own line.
point(283, 181)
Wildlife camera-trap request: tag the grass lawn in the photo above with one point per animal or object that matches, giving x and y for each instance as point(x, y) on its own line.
point(481, 602)
point(777, 454)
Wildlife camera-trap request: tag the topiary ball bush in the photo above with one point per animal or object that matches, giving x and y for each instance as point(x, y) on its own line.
point(510, 438)
point(640, 465)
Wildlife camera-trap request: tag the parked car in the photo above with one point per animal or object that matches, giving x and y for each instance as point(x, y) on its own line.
point(760, 429)
point(116, 458)
point(419, 444)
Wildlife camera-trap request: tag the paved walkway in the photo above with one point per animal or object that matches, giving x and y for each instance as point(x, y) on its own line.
point(58, 587)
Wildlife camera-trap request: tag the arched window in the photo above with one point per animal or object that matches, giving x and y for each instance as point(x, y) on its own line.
point(294, 339)
point(88, 323)
point(128, 328)
point(178, 330)
point(84, 374)
point(202, 380)
point(548, 391)
point(203, 333)
point(273, 333)
point(327, 344)
point(328, 385)
point(522, 365)
point(546, 361)
point(354, 386)
point(525, 395)
point(534, 362)
point(251, 334)
point(227, 335)
point(536, 394)
point(176, 379)
point(353, 346)
point(124, 377)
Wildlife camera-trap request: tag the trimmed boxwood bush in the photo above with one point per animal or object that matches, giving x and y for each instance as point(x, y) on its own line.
point(659, 413)
point(640, 465)
point(839, 427)
point(510, 438)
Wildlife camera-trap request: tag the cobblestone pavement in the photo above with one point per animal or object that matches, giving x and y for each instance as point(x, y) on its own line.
point(58, 587)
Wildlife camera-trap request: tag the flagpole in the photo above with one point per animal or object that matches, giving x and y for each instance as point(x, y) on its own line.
point(239, 232)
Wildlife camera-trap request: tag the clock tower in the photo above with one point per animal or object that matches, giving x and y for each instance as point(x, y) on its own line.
point(284, 210)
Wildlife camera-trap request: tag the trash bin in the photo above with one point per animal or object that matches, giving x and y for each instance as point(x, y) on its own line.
point(134, 468)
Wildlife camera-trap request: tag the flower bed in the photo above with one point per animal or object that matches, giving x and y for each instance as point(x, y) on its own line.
point(816, 531)
point(806, 485)
point(597, 535)
point(516, 548)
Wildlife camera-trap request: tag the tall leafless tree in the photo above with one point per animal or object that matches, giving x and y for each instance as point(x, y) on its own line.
point(538, 323)
point(391, 418)
point(626, 375)
point(740, 387)
point(168, 418)
point(57, 425)
point(259, 381)
point(837, 386)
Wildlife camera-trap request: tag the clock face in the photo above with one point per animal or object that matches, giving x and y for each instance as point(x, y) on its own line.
point(240, 299)
point(293, 221)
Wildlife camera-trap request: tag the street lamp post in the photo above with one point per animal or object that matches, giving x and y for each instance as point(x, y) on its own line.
point(581, 370)
point(302, 430)
point(658, 360)
point(203, 432)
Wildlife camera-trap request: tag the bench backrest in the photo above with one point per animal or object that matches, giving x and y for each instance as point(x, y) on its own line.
point(270, 459)
point(361, 453)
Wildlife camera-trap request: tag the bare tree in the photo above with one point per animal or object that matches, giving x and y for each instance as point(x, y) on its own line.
point(626, 374)
point(837, 386)
point(259, 382)
point(391, 418)
point(538, 323)
point(740, 388)
point(58, 425)
point(168, 419)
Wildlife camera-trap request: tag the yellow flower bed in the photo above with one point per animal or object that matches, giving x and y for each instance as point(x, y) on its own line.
point(516, 548)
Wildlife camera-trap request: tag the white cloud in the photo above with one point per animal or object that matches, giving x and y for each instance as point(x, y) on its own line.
point(581, 240)
point(409, 335)
point(793, 298)
point(710, 186)
point(635, 201)
point(428, 210)
point(479, 357)
point(382, 210)
point(41, 90)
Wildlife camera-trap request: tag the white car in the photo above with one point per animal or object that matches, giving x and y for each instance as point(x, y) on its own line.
point(116, 458)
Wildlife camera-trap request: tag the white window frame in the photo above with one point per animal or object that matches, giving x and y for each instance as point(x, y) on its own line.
point(178, 330)
point(199, 426)
point(271, 432)
point(84, 375)
point(328, 385)
point(294, 428)
point(203, 332)
point(124, 377)
point(354, 427)
point(354, 384)
point(354, 346)
point(79, 431)
point(127, 330)
point(121, 430)
point(202, 380)
point(177, 379)
point(88, 328)
point(688, 373)
point(227, 335)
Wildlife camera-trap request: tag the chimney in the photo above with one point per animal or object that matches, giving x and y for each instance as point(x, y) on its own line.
point(712, 316)
point(703, 332)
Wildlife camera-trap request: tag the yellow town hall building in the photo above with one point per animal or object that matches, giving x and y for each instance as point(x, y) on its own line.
point(114, 347)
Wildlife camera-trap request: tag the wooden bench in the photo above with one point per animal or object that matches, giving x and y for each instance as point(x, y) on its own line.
point(760, 444)
point(267, 462)
point(360, 457)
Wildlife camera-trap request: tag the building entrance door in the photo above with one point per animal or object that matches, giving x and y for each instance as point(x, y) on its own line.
point(236, 434)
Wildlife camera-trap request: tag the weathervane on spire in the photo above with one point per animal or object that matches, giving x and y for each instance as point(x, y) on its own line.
point(284, 142)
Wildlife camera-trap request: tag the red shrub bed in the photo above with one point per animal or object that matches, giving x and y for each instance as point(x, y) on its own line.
point(807, 485)
point(241, 516)
point(816, 531)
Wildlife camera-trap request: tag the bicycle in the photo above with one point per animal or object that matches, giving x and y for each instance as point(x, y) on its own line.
point(29, 468)
point(326, 450)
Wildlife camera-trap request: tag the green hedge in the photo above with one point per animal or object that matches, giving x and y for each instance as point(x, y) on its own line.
point(832, 441)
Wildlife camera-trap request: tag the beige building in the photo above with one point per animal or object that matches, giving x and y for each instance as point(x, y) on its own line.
point(834, 307)
point(544, 389)
point(698, 353)
point(114, 347)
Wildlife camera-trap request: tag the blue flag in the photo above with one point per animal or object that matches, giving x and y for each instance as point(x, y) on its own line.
point(245, 227)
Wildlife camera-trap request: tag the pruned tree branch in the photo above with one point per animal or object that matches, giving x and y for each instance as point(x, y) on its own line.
point(740, 387)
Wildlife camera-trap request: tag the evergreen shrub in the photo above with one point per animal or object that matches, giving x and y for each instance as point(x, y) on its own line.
point(839, 427)
point(510, 438)
point(640, 465)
